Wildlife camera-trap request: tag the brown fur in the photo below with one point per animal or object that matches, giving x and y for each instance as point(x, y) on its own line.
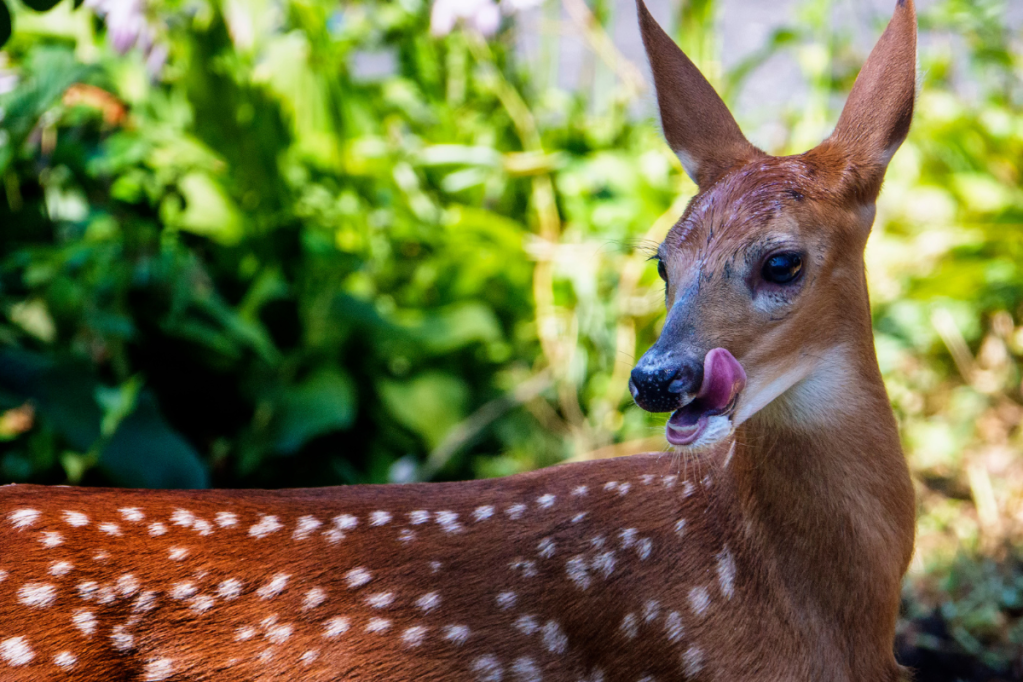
point(774, 555)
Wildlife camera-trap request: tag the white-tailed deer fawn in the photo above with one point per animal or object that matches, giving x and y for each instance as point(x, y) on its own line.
point(774, 553)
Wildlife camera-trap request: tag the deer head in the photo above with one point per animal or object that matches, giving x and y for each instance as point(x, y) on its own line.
point(764, 274)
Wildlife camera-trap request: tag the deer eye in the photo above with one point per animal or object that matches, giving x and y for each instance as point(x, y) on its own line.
point(662, 270)
point(782, 268)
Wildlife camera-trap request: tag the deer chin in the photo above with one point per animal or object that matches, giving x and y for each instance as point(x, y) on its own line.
point(706, 418)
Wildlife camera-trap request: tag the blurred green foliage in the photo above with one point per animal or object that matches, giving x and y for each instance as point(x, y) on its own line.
point(261, 263)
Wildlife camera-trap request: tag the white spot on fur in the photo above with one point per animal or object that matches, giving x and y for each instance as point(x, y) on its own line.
point(680, 527)
point(85, 621)
point(305, 527)
point(378, 625)
point(428, 601)
point(333, 535)
point(688, 489)
point(669, 481)
point(183, 590)
point(22, 519)
point(132, 514)
point(515, 511)
point(335, 627)
point(37, 595)
point(630, 626)
point(525, 567)
point(546, 548)
point(60, 568)
point(577, 571)
point(245, 633)
point(580, 490)
point(105, 594)
point(546, 501)
point(579, 517)
point(16, 651)
point(526, 624)
point(202, 603)
point(202, 527)
point(76, 519)
point(265, 526)
point(144, 602)
point(483, 513)
point(414, 635)
point(274, 587)
point(279, 634)
point(314, 598)
point(346, 521)
point(692, 662)
point(183, 518)
point(157, 529)
point(624, 488)
point(230, 589)
point(506, 600)
point(611, 486)
point(380, 600)
point(488, 669)
point(226, 519)
point(448, 520)
point(526, 670)
point(644, 547)
point(158, 669)
point(309, 657)
point(418, 517)
point(379, 518)
point(554, 638)
point(87, 590)
point(628, 536)
point(605, 563)
point(127, 585)
point(51, 539)
point(357, 577)
point(407, 535)
point(699, 600)
point(650, 610)
point(177, 553)
point(726, 573)
point(673, 627)
point(647, 479)
point(65, 660)
point(121, 638)
point(457, 634)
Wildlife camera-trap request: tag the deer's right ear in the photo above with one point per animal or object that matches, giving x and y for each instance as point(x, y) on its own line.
point(697, 124)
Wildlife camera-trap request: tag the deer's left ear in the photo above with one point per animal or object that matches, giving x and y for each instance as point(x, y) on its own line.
point(697, 124)
point(877, 115)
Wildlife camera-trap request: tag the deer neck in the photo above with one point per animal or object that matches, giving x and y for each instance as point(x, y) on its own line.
point(825, 492)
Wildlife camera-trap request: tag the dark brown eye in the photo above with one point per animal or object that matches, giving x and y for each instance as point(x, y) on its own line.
point(782, 268)
point(662, 270)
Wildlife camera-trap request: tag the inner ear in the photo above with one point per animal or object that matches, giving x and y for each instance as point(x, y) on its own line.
point(697, 124)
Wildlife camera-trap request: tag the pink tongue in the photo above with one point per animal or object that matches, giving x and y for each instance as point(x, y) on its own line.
point(723, 378)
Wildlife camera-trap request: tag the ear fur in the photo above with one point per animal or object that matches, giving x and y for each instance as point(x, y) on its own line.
point(697, 124)
point(876, 118)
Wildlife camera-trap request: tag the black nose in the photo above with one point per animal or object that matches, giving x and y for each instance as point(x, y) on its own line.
point(658, 383)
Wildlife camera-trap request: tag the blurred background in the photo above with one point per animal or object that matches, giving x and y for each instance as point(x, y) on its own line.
point(268, 243)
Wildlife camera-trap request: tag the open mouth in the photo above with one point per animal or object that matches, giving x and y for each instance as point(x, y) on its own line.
point(723, 380)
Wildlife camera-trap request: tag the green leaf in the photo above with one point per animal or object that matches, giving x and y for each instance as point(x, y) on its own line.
point(42, 5)
point(145, 452)
point(430, 404)
point(5, 23)
point(323, 403)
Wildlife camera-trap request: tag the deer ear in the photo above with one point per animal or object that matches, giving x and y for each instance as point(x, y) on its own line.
point(877, 115)
point(697, 124)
